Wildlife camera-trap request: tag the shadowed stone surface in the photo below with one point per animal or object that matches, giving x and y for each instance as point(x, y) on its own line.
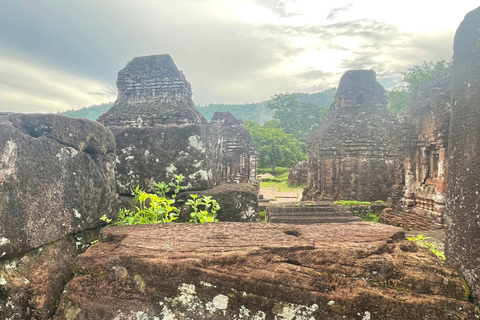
point(56, 178)
point(261, 271)
point(351, 155)
point(147, 155)
point(238, 202)
point(463, 185)
point(158, 131)
point(31, 285)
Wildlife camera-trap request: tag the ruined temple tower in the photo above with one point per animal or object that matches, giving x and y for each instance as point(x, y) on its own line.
point(239, 157)
point(463, 182)
point(159, 133)
point(152, 91)
point(351, 156)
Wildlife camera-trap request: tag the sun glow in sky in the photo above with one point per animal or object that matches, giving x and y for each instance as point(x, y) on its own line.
point(58, 55)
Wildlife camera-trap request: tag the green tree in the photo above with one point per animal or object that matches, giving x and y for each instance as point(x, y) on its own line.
point(274, 146)
point(401, 97)
point(296, 118)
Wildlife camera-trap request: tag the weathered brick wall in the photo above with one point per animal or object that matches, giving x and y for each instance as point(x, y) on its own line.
point(423, 147)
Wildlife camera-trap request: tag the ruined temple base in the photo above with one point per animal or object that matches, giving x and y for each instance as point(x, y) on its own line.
point(409, 220)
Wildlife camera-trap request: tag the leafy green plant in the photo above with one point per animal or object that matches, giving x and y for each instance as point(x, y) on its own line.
point(210, 207)
point(381, 202)
point(262, 215)
point(423, 241)
point(151, 208)
point(371, 217)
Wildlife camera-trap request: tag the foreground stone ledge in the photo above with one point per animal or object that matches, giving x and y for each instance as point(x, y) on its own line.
point(262, 271)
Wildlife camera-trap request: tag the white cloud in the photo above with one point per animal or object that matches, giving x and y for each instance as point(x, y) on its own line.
point(27, 87)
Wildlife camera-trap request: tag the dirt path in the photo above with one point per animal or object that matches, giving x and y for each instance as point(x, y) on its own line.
point(276, 196)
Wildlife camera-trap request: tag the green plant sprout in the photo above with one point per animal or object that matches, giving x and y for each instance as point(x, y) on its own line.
point(422, 241)
point(159, 207)
point(210, 207)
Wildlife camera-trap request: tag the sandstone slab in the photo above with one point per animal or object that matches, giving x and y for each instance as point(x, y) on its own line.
point(262, 271)
point(56, 178)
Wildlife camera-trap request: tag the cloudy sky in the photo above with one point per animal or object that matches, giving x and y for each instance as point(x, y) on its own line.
point(58, 55)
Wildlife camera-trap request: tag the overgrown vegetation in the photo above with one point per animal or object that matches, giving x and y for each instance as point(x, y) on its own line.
point(368, 216)
point(159, 207)
point(423, 242)
point(274, 146)
point(259, 112)
point(401, 97)
point(295, 117)
point(91, 113)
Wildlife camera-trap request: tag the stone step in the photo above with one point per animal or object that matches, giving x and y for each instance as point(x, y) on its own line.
point(320, 212)
point(313, 220)
point(305, 210)
point(311, 214)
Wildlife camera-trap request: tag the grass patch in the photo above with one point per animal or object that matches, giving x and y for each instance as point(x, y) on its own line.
point(352, 203)
point(278, 171)
point(422, 241)
point(371, 217)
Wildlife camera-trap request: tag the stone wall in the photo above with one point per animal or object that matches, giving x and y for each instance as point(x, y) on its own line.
point(463, 184)
point(351, 155)
point(423, 146)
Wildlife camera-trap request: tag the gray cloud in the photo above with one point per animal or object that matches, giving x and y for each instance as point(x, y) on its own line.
point(279, 7)
point(67, 53)
point(335, 12)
